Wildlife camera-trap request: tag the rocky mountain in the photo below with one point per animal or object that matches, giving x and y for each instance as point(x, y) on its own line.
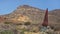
point(33, 15)
point(55, 12)
point(56, 17)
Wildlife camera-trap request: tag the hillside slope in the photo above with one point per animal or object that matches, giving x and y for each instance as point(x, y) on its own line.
point(33, 15)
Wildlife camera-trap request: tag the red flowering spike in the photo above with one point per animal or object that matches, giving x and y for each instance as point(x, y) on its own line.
point(45, 22)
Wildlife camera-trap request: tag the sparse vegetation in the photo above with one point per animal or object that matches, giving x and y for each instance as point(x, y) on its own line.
point(6, 32)
point(19, 24)
point(27, 23)
point(7, 22)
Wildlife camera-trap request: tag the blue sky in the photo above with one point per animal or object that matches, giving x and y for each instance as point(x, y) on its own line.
point(7, 6)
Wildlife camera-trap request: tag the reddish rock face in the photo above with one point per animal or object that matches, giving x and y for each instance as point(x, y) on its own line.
point(1, 19)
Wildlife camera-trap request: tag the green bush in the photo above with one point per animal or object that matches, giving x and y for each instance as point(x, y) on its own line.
point(27, 23)
point(7, 22)
point(6, 32)
point(22, 32)
point(19, 24)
